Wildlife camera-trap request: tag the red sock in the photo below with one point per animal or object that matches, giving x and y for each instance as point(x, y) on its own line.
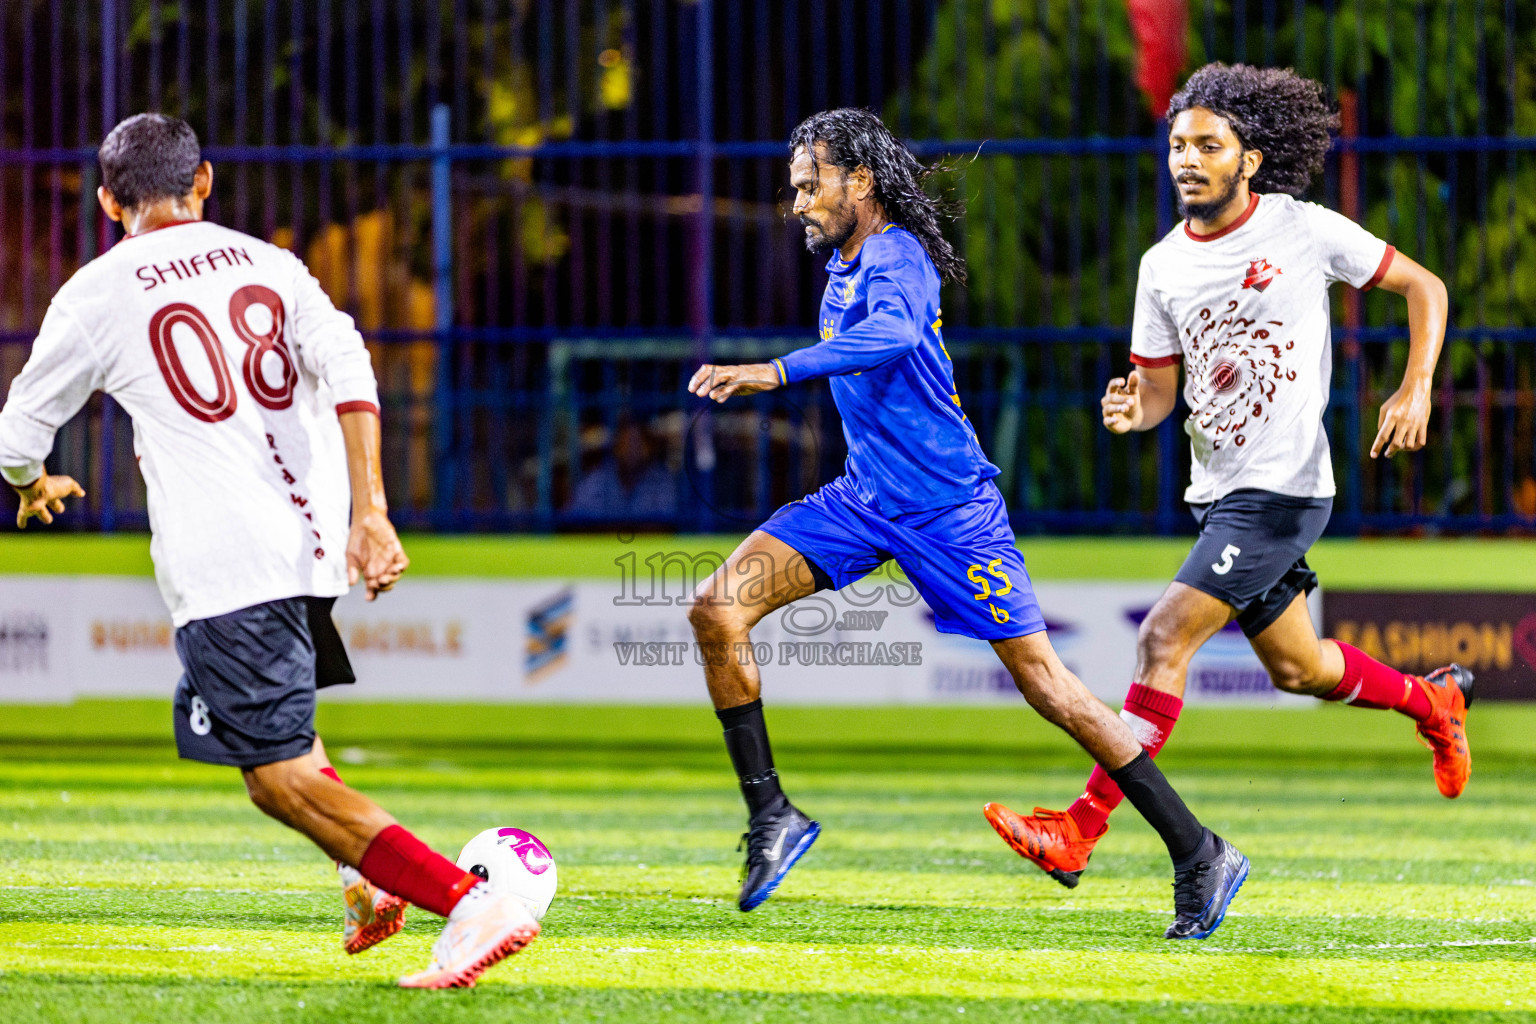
point(1151, 715)
point(1368, 683)
point(399, 863)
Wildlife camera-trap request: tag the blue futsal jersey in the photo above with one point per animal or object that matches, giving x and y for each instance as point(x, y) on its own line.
point(917, 488)
point(910, 447)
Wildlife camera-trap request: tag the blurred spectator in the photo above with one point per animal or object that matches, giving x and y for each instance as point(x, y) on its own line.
point(630, 485)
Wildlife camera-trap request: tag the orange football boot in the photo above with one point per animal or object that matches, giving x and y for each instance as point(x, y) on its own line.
point(1048, 838)
point(373, 915)
point(1449, 690)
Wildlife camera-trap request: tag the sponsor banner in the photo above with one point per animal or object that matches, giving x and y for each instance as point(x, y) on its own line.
point(68, 636)
point(1494, 635)
point(31, 612)
point(874, 642)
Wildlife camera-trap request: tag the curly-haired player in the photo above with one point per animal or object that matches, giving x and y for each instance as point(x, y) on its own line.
point(917, 489)
point(1238, 294)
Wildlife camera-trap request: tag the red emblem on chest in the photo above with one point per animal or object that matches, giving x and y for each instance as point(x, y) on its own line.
point(1225, 376)
point(1260, 274)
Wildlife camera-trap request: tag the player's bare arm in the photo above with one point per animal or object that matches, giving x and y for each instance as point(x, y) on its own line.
point(721, 382)
point(374, 551)
point(44, 497)
point(1141, 400)
point(1403, 423)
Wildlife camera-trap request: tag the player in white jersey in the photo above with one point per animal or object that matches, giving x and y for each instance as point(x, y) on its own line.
point(256, 424)
point(1238, 293)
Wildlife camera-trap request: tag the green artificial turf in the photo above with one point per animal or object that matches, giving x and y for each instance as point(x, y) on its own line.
point(134, 887)
point(1381, 564)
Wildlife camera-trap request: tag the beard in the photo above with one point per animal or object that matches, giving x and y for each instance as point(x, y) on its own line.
point(1205, 211)
point(834, 229)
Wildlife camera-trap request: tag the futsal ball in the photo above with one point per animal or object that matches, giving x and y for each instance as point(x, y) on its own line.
point(513, 861)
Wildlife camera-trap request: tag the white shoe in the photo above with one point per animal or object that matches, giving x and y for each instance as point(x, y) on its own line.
point(373, 915)
point(484, 928)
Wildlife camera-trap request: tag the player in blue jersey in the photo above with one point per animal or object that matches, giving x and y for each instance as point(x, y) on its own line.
point(917, 488)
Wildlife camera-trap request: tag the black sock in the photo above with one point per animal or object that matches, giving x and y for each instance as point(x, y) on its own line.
point(1144, 786)
point(746, 738)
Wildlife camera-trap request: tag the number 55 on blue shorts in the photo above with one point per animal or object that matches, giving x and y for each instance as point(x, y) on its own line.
point(961, 559)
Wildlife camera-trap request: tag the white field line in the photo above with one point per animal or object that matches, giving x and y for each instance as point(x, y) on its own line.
point(1333, 947)
point(165, 890)
point(122, 945)
point(555, 949)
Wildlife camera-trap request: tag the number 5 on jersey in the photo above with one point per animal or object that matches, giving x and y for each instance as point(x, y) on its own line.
point(222, 404)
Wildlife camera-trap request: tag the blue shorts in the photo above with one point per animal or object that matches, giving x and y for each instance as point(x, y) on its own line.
point(247, 695)
point(1251, 552)
point(961, 559)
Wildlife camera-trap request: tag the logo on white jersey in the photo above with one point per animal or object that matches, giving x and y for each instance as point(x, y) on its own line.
point(1260, 274)
point(1225, 376)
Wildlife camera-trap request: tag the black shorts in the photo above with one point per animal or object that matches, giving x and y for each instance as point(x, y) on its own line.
point(1251, 552)
point(247, 693)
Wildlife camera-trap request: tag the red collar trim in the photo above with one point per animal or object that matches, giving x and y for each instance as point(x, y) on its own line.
point(1253, 204)
point(162, 227)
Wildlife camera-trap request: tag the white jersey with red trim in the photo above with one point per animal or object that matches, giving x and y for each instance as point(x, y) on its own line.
point(1246, 310)
point(233, 364)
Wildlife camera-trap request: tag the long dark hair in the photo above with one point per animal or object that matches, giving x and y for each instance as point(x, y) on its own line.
point(1273, 110)
point(854, 138)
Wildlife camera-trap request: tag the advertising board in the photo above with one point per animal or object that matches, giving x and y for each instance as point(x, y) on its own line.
point(874, 642)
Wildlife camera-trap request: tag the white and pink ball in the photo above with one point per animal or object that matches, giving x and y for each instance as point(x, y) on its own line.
point(513, 861)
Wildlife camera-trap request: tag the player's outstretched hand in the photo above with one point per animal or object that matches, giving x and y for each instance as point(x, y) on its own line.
point(1121, 404)
point(374, 552)
point(721, 382)
point(1403, 423)
point(45, 497)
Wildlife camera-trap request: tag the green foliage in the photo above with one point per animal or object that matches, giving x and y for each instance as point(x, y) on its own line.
point(1055, 240)
point(1058, 68)
point(1007, 69)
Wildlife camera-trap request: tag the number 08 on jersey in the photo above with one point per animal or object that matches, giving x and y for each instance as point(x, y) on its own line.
point(233, 364)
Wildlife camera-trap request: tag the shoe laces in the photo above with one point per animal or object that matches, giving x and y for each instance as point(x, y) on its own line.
point(755, 841)
point(1057, 824)
point(1193, 888)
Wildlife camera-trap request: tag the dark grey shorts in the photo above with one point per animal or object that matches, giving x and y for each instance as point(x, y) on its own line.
point(247, 693)
point(1251, 552)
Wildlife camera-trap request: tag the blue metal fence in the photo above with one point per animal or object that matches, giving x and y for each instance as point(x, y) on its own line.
point(544, 214)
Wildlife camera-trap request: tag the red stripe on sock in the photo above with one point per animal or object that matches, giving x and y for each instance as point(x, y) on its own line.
point(1415, 704)
point(1367, 683)
point(1157, 712)
point(399, 863)
point(330, 773)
